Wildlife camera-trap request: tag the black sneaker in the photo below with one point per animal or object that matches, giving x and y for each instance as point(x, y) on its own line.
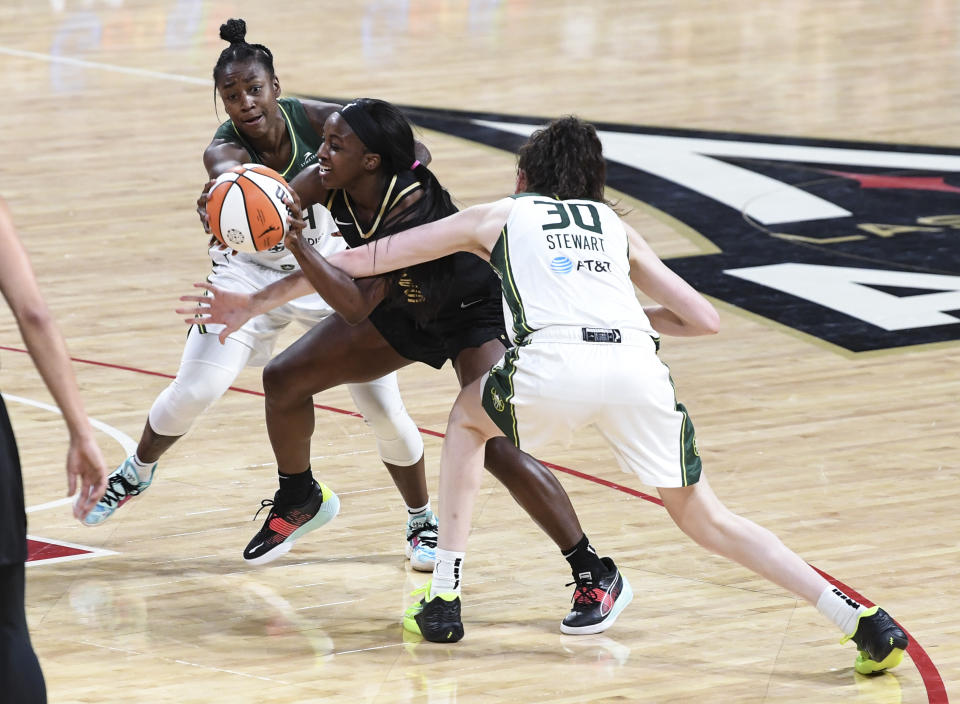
point(880, 640)
point(285, 524)
point(437, 620)
point(597, 600)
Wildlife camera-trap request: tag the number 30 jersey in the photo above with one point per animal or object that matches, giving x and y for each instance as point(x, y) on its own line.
point(565, 262)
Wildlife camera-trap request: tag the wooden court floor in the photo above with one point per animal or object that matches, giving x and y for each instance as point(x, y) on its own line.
point(852, 457)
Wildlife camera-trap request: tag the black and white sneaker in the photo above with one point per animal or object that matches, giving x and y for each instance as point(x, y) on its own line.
point(286, 523)
point(422, 541)
point(597, 601)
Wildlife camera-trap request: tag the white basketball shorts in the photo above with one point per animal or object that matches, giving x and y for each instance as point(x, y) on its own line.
point(261, 332)
point(547, 389)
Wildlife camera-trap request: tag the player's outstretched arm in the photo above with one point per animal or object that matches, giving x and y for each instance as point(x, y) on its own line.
point(232, 308)
point(474, 230)
point(682, 310)
point(85, 464)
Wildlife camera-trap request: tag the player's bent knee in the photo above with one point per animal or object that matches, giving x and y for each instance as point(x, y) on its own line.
point(398, 441)
point(276, 380)
point(196, 387)
point(398, 438)
point(704, 523)
point(284, 384)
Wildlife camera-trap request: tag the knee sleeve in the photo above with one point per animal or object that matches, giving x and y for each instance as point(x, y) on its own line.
point(206, 371)
point(398, 440)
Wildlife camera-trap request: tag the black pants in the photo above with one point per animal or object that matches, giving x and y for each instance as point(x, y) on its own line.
point(21, 680)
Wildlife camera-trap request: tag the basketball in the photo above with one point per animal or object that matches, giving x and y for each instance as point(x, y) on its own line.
point(245, 209)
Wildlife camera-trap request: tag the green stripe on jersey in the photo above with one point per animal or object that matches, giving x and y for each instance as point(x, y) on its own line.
point(500, 261)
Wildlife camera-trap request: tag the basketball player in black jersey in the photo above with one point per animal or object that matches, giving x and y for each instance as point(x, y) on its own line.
point(21, 679)
point(369, 177)
point(283, 133)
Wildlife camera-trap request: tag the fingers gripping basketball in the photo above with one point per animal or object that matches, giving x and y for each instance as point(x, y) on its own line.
point(246, 210)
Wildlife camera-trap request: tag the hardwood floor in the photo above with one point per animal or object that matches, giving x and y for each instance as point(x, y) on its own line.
point(832, 431)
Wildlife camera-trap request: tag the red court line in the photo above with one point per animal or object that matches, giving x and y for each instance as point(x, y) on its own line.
point(932, 681)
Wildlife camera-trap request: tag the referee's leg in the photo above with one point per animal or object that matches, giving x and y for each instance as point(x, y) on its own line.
point(20, 676)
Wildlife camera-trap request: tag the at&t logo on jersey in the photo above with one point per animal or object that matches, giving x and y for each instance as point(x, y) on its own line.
point(561, 265)
point(593, 265)
point(854, 243)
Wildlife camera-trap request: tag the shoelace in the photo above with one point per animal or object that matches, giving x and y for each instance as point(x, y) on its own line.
point(586, 593)
point(263, 504)
point(117, 489)
point(430, 540)
point(423, 589)
point(278, 506)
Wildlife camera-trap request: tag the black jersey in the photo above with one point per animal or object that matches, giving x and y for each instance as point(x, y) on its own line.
point(13, 529)
point(470, 312)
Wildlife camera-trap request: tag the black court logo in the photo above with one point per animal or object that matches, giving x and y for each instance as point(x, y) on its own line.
point(855, 243)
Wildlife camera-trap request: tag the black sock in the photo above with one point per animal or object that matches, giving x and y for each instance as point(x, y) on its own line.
point(584, 559)
point(295, 488)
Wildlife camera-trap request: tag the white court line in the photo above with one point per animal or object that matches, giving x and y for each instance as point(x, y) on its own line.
point(212, 510)
point(363, 650)
point(144, 73)
point(126, 442)
point(332, 603)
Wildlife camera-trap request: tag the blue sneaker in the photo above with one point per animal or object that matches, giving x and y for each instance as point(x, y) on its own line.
point(123, 484)
point(422, 541)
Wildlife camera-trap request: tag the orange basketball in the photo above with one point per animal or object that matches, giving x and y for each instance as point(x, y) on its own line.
point(246, 210)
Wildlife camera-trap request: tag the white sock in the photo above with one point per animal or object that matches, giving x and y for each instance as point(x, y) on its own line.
point(418, 511)
point(447, 572)
point(840, 608)
point(143, 468)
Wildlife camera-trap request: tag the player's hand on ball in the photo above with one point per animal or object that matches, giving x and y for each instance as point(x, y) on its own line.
point(205, 219)
point(228, 308)
point(295, 222)
point(202, 206)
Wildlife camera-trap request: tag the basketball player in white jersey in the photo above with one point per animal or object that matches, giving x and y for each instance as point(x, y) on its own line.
point(585, 353)
point(284, 134)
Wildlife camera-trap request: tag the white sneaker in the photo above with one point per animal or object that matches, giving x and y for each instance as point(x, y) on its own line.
point(422, 541)
point(123, 484)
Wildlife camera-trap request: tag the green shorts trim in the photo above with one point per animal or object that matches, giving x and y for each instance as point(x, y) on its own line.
point(690, 464)
point(498, 393)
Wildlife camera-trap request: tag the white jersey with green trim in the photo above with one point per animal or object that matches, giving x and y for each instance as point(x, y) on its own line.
point(565, 263)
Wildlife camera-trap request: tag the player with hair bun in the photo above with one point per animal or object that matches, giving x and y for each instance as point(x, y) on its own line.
point(283, 134)
point(370, 179)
